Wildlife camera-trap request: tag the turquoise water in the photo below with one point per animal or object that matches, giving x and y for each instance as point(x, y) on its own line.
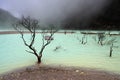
point(70, 53)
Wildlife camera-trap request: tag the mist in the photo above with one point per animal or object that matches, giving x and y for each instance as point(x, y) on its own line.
point(55, 11)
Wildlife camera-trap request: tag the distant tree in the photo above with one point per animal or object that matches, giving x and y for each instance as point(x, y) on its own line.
point(27, 24)
point(101, 38)
point(111, 43)
point(82, 40)
point(111, 50)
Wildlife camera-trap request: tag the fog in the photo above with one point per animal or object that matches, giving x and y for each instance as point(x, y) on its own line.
point(55, 10)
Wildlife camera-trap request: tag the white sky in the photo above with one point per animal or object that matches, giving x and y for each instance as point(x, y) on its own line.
point(47, 10)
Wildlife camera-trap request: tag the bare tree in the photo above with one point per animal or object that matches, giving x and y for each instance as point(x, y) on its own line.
point(111, 42)
point(101, 38)
point(111, 50)
point(30, 25)
point(83, 40)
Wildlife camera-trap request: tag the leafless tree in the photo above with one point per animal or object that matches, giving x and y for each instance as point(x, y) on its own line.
point(111, 43)
point(111, 50)
point(101, 38)
point(30, 25)
point(82, 40)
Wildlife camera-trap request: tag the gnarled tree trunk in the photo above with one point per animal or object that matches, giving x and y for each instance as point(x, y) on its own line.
point(39, 59)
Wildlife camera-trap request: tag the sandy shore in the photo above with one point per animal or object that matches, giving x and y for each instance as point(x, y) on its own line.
point(53, 73)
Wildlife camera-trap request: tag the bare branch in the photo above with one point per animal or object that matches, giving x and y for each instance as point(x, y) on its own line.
point(29, 52)
point(43, 39)
point(33, 38)
point(48, 40)
point(31, 24)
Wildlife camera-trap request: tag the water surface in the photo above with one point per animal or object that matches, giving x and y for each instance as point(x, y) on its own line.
point(70, 53)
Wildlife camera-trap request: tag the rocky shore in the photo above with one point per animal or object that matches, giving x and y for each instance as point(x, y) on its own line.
point(52, 73)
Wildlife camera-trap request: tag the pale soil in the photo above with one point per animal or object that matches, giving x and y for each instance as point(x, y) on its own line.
point(50, 73)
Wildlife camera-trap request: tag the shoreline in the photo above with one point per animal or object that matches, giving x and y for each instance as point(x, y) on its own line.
point(44, 72)
point(15, 32)
point(63, 32)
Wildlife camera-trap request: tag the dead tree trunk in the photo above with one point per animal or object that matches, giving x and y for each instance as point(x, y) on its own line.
point(111, 50)
point(101, 37)
point(84, 40)
point(39, 59)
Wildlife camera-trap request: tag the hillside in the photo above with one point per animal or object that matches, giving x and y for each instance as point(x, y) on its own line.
point(6, 19)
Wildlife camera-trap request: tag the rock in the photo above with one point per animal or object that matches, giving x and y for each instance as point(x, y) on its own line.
point(28, 69)
point(69, 79)
point(1, 78)
point(17, 75)
point(76, 70)
point(12, 75)
point(81, 73)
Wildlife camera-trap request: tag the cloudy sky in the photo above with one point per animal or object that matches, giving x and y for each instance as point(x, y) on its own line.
point(47, 10)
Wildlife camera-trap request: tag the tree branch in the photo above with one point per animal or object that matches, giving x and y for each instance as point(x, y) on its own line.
point(29, 52)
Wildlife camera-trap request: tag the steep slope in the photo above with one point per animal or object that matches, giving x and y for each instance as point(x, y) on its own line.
point(6, 19)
